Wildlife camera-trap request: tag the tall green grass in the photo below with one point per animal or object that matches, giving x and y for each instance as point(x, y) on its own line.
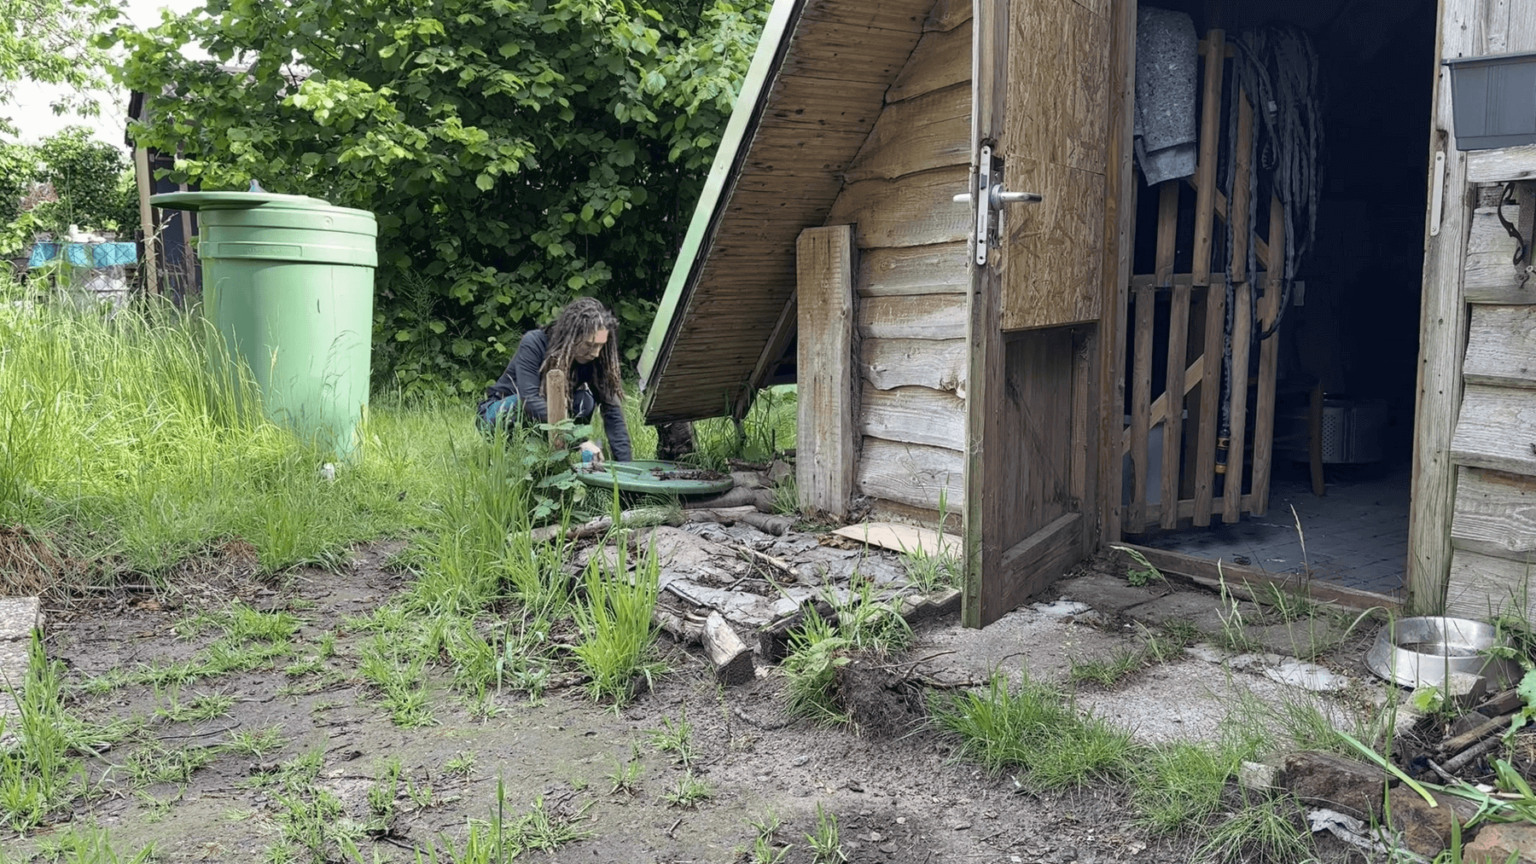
point(117, 443)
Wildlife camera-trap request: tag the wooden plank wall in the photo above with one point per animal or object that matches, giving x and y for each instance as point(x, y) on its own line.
point(912, 276)
point(1492, 499)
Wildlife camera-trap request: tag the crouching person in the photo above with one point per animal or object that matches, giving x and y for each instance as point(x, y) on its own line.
point(582, 342)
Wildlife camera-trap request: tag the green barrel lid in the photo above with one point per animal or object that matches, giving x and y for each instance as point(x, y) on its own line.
point(656, 478)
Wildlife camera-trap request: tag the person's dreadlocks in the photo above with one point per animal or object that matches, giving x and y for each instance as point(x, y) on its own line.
point(575, 324)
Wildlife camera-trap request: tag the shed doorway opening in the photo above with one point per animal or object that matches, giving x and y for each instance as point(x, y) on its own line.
point(1299, 458)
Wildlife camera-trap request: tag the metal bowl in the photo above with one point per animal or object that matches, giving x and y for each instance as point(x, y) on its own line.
point(1416, 652)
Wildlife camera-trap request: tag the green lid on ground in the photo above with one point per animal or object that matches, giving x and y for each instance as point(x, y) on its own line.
point(656, 478)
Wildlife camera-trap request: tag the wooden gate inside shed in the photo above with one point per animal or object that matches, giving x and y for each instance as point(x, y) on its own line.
point(1205, 473)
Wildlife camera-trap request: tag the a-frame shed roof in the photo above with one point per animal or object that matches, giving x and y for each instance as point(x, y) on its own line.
point(815, 88)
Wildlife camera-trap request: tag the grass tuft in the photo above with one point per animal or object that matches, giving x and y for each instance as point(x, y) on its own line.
point(618, 632)
point(1036, 730)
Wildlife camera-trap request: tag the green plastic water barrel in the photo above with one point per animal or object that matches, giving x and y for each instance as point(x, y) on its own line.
point(288, 283)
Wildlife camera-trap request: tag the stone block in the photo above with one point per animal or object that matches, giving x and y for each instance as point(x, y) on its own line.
point(1104, 593)
point(1257, 776)
point(19, 616)
point(1466, 689)
point(1495, 844)
point(1424, 829)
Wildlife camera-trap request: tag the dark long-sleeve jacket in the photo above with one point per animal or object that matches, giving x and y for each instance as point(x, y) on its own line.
point(522, 377)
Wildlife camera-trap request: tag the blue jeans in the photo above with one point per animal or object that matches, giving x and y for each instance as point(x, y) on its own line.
point(582, 406)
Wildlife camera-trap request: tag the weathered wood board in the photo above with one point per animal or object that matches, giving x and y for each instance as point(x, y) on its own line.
point(911, 474)
point(891, 363)
point(1490, 276)
point(937, 269)
point(825, 441)
point(916, 210)
point(907, 539)
point(942, 58)
point(1495, 514)
point(930, 131)
point(1496, 430)
point(1481, 587)
point(1503, 164)
point(1501, 346)
point(914, 415)
point(920, 316)
point(948, 14)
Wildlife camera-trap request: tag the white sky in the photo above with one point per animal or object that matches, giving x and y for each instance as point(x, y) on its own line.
point(33, 116)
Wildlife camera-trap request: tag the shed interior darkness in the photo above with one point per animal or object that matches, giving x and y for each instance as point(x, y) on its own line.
point(1353, 321)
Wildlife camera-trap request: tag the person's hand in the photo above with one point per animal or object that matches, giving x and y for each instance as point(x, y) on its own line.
point(596, 459)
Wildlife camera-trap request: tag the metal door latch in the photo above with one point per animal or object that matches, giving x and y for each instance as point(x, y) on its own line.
point(993, 197)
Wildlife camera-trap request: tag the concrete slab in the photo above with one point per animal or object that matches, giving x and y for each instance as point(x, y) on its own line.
point(1305, 639)
point(1202, 610)
point(1184, 701)
point(1025, 639)
point(14, 655)
point(19, 616)
point(1105, 593)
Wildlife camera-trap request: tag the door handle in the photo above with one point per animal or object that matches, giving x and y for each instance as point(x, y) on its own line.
point(993, 198)
point(998, 197)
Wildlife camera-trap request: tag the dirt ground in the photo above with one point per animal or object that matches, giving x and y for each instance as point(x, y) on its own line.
point(898, 797)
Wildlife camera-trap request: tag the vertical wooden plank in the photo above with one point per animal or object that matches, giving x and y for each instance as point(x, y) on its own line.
point(1210, 398)
point(1269, 356)
point(1205, 169)
point(1442, 331)
point(1242, 332)
point(1141, 409)
point(985, 378)
point(1108, 374)
point(1178, 344)
point(824, 469)
point(1084, 446)
point(778, 343)
point(144, 180)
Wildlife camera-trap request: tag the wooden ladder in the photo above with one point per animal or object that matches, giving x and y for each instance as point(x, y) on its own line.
point(1190, 468)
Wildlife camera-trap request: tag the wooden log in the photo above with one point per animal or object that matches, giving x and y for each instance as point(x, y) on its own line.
point(686, 629)
point(556, 392)
point(778, 526)
point(731, 657)
point(762, 499)
point(1507, 702)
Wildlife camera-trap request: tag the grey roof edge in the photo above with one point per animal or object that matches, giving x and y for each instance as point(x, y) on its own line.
point(735, 145)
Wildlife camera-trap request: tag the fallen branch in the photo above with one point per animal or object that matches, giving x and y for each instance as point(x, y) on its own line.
point(778, 564)
point(778, 526)
point(762, 499)
point(1452, 746)
point(641, 517)
point(1470, 754)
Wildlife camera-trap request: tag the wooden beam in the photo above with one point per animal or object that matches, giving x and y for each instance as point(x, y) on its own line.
point(1500, 346)
point(1119, 235)
point(1214, 574)
point(557, 391)
point(1159, 411)
point(989, 64)
point(1186, 508)
point(1141, 409)
point(1442, 328)
point(773, 352)
point(1502, 165)
point(824, 464)
point(1269, 357)
point(1495, 514)
point(1178, 346)
point(1242, 316)
point(1205, 169)
point(1260, 245)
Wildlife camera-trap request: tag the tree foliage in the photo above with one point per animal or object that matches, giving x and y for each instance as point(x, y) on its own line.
point(53, 42)
point(88, 185)
point(517, 153)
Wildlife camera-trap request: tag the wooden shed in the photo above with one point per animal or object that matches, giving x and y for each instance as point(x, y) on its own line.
point(1064, 374)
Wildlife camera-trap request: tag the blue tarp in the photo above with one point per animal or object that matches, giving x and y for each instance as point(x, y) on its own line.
point(92, 255)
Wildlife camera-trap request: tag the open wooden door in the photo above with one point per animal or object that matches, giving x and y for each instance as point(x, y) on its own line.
point(1050, 116)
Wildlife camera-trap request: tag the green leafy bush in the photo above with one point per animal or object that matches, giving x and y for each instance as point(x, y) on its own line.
point(517, 154)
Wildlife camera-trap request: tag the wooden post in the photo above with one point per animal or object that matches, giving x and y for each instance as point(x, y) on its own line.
point(1141, 409)
point(984, 312)
point(1242, 331)
point(1442, 328)
point(556, 392)
point(824, 461)
point(1178, 344)
point(1269, 356)
point(145, 182)
point(1216, 300)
